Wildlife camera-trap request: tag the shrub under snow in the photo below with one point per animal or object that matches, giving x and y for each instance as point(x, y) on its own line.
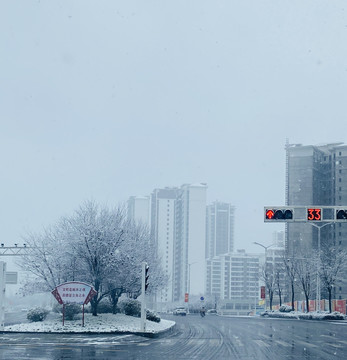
point(37, 314)
point(305, 316)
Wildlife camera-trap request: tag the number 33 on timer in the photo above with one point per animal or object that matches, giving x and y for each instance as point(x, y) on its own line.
point(314, 214)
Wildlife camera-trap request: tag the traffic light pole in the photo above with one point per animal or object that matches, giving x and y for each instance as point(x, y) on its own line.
point(265, 247)
point(143, 298)
point(313, 215)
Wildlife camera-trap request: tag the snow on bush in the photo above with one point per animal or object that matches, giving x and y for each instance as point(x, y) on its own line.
point(37, 314)
point(285, 308)
point(305, 316)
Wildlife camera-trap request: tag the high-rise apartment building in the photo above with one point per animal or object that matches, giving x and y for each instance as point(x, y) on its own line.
point(189, 246)
point(139, 209)
point(163, 202)
point(177, 226)
point(233, 280)
point(316, 175)
point(219, 229)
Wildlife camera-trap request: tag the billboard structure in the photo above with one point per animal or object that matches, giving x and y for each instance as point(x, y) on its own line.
point(74, 292)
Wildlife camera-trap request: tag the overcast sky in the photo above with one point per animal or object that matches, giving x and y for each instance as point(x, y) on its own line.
point(107, 99)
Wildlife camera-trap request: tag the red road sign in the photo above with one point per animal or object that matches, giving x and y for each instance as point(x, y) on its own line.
point(262, 292)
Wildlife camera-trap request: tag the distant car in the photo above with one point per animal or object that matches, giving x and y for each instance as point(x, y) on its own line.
point(212, 312)
point(180, 311)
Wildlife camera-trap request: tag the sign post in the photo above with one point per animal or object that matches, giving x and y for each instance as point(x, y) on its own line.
point(74, 292)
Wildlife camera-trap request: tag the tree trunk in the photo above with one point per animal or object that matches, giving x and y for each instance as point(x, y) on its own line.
point(94, 305)
point(280, 296)
point(271, 293)
point(114, 296)
point(95, 300)
point(329, 292)
point(307, 304)
point(293, 296)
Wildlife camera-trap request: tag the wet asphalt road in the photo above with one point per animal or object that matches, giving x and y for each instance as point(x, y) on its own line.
point(211, 337)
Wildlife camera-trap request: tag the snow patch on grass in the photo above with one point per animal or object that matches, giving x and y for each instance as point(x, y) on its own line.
point(103, 323)
point(305, 316)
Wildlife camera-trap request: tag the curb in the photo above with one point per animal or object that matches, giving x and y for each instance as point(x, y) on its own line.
point(143, 334)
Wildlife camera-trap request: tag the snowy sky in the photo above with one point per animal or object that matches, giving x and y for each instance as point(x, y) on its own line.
point(106, 99)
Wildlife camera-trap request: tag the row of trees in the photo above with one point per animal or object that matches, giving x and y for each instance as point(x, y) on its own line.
point(301, 271)
point(96, 245)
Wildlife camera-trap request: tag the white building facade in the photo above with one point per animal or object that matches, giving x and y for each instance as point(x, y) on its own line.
point(139, 209)
point(232, 279)
point(163, 202)
point(219, 229)
point(189, 246)
point(177, 224)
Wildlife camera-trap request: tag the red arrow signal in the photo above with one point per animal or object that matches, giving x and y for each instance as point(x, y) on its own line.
point(270, 214)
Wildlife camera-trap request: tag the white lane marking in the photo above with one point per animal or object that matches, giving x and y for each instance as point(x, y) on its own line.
point(283, 343)
point(237, 341)
point(261, 343)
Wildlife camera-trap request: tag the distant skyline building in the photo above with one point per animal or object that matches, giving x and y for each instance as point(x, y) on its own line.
point(139, 209)
point(233, 281)
point(220, 224)
point(316, 175)
point(190, 235)
point(163, 202)
point(178, 228)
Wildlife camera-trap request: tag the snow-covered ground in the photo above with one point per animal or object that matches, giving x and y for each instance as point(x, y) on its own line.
point(305, 316)
point(103, 323)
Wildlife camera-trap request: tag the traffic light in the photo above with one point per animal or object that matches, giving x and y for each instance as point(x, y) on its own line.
point(278, 214)
point(146, 277)
point(341, 214)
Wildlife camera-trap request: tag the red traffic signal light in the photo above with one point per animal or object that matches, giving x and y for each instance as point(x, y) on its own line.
point(278, 214)
point(269, 214)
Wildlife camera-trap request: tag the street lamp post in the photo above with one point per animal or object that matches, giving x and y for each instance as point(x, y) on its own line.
point(265, 247)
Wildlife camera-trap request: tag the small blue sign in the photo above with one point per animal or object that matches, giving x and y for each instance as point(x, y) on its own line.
point(202, 298)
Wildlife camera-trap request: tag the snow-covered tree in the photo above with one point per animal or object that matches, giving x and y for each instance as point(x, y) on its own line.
point(279, 272)
point(289, 267)
point(332, 262)
point(267, 275)
point(137, 248)
point(96, 245)
point(305, 269)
